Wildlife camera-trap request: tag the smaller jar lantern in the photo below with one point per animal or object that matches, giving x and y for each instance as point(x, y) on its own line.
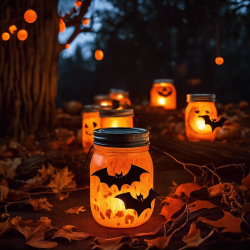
point(103, 100)
point(121, 178)
point(116, 118)
point(200, 106)
point(120, 95)
point(90, 122)
point(163, 93)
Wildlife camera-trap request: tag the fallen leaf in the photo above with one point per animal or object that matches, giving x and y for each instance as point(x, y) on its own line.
point(228, 222)
point(39, 204)
point(4, 183)
point(108, 244)
point(187, 189)
point(160, 242)
point(66, 232)
point(219, 189)
point(171, 206)
point(246, 181)
point(4, 226)
point(4, 152)
point(75, 210)
point(3, 193)
point(15, 195)
point(8, 168)
point(193, 239)
point(200, 204)
point(34, 231)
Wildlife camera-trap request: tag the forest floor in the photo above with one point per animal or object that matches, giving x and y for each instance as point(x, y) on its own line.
point(25, 176)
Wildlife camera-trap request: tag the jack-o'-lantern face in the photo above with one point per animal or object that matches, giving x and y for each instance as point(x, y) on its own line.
point(90, 127)
point(196, 123)
point(164, 91)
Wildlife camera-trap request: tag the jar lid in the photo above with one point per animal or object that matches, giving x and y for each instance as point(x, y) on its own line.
point(91, 108)
point(102, 97)
point(119, 91)
point(121, 137)
point(164, 80)
point(201, 97)
point(116, 112)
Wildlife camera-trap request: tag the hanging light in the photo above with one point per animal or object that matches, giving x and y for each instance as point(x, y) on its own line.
point(99, 55)
point(62, 25)
point(5, 36)
point(78, 3)
point(219, 60)
point(12, 29)
point(85, 21)
point(30, 16)
point(22, 35)
point(67, 46)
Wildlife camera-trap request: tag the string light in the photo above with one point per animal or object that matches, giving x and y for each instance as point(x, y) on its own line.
point(5, 36)
point(30, 16)
point(22, 35)
point(12, 29)
point(219, 60)
point(78, 3)
point(85, 21)
point(62, 25)
point(99, 55)
point(67, 46)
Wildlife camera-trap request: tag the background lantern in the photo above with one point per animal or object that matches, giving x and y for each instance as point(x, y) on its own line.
point(116, 118)
point(85, 21)
point(90, 122)
point(163, 93)
point(103, 100)
point(219, 60)
point(30, 16)
point(22, 35)
point(5, 36)
point(120, 95)
point(200, 105)
point(115, 153)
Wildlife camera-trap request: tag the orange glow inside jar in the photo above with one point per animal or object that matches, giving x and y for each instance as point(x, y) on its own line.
point(117, 158)
point(163, 93)
point(120, 95)
point(200, 105)
point(116, 118)
point(90, 122)
point(103, 100)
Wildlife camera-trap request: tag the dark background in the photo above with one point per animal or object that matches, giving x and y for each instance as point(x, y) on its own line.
point(148, 39)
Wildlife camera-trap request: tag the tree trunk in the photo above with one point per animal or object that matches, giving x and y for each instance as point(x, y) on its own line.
point(28, 69)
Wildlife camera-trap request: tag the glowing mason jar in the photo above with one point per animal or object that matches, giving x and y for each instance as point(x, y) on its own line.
point(200, 105)
point(120, 95)
point(116, 118)
point(116, 150)
point(90, 122)
point(163, 93)
point(103, 100)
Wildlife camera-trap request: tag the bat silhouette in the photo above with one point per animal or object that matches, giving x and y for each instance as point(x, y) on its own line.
point(164, 92)
point(119, 180)
point(139, 204)
point(213, 123)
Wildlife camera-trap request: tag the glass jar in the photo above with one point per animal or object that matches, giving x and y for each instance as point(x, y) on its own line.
point(200, 105)
point(90, 122)
point(120, 95)
point(116, 118)
point(163, 93)
point(103, 100)
point(116, 149)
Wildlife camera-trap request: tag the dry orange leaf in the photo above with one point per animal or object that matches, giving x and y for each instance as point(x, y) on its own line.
point(8, 168)
point(200, 204)
point(193, 239)
point(108, 244)
point(3, 193)
point(66, 232)
point(75, 210)
point(39, 204)
point(160, 242)
point(218, 190)
point(246, 181)
point(187, 189)
point(171, 206)
point(4, 226)
point(228, 222)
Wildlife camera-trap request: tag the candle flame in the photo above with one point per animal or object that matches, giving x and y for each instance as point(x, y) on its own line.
point(201, 124)
point(120, 96)
point(104, 104)
point(162, 101)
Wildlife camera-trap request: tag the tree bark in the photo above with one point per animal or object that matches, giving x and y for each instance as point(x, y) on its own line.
point(28, 69)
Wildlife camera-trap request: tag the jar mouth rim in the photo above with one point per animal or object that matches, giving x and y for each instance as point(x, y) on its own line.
point(123, 146)
point(201, 97)
point(116, 112)
point(163, 81)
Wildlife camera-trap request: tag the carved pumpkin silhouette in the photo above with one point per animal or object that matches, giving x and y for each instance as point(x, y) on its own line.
point(165, 91)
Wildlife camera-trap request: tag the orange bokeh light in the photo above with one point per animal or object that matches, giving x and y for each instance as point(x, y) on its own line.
point(22, 35)
point(5, 36)
point(62, 25)
point(85, 21)
point(219, 60)
point(30, 16)
point(12, 29)
point(67, 46)
point(78, 3)
point(99, 55)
